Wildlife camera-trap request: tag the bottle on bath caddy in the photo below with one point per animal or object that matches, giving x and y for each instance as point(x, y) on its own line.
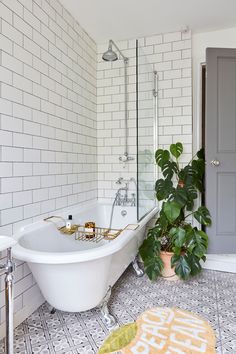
point(69, 222)
point(89, 228)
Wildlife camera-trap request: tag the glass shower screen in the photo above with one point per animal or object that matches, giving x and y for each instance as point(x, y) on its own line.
point(146, 105)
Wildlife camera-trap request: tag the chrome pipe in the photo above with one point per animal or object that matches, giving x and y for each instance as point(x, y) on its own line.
point(110, 55)
point(155, 130)
point(155, 89)
point(126, 106)
point(9, 267)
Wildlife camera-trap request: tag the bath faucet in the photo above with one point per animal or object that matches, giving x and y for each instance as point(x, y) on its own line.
point(124, 200)
point(121, 200)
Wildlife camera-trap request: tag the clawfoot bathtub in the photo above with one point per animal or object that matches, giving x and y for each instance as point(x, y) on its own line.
point(76, 275)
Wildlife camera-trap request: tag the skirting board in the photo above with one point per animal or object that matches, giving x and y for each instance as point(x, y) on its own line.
point(223, 263)
point(21, 315)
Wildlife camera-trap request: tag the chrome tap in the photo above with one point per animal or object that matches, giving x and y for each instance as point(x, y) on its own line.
point(120, 180)
point(121, 200)
point(124, 200)
point(133, 200)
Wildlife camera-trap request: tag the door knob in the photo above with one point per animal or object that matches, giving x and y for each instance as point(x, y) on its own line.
point(215, 163)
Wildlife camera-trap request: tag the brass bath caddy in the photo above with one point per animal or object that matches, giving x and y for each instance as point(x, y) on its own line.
point(62, 229)
point(100, 233)
point(70, 231)
point(94, 234)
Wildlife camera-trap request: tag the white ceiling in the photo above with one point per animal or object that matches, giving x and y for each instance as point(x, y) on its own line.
point(123, 19)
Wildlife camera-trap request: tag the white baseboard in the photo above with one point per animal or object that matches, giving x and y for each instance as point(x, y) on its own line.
point(223, 263)
point(22, 314)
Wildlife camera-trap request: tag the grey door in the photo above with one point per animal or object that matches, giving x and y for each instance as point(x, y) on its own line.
point(220, 140)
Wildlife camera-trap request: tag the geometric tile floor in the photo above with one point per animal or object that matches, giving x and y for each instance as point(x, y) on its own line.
point(212, 295)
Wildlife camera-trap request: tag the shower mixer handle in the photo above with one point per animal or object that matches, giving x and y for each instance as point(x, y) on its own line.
point(122, 180)
point(126, 158)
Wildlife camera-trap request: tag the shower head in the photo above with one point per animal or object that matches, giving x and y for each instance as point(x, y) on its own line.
point(110, 55)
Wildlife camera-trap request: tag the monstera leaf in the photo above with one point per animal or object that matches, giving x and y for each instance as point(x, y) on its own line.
point(172, 210)
point(149, 252)
point(201, 154)
point(153, 267)
point(185, 196)
point(199, 167)
point(181, 196)
point(163, 188)
point(119, 338)
point(194, 263)
point(192, 195)
point(169, 168)
point(187, 175)
point(200, 241)
point(182, 267)
point(189, 204)
point(202, 215)
point(176, 149)
point(162, 156)
point(179, 236)
point(192, 192)
point(163, 222)
point(151, 247)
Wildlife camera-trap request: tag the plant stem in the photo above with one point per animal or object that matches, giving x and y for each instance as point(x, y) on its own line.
point(177, 163)
point(188, 215)
point(192, 159)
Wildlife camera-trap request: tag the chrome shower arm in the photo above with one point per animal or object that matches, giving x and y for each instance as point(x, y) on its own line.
point(112, 43)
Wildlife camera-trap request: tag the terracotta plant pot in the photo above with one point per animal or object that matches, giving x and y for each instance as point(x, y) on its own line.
point(168, 273)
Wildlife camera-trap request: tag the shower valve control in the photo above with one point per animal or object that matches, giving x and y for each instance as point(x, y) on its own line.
point(125, 158)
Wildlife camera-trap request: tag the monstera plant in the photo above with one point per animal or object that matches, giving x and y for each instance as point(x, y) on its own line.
point(174, 233)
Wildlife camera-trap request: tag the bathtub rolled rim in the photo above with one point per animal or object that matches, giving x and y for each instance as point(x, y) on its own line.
point(33, 256)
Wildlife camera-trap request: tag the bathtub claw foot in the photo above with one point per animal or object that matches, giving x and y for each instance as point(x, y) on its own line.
point(53, 310)
point(108, 317)
point(139, 272)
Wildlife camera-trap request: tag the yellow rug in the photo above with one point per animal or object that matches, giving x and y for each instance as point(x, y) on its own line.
point(164, 331)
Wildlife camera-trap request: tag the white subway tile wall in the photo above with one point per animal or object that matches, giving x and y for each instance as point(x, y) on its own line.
point(62, 115)
point(47, 120)
point(170, 55)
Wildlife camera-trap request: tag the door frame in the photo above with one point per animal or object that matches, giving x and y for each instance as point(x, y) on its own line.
point(222, 262)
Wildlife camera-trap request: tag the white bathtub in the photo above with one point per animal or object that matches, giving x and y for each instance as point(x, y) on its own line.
point(75, 275)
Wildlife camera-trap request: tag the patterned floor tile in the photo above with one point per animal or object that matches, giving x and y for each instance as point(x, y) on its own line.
point(212, 295)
